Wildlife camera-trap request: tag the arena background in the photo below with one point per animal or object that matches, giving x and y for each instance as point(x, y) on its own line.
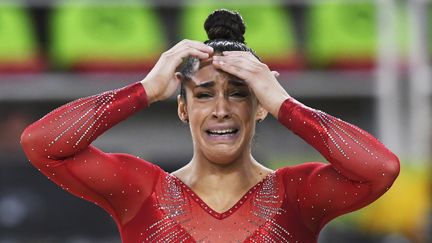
point(367, 62)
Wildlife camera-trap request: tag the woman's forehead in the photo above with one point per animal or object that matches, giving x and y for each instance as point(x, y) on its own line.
point(209, 73)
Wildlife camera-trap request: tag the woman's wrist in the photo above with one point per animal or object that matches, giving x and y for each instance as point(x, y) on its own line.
point(271, 96)
point(151, 97)
point(275, 103)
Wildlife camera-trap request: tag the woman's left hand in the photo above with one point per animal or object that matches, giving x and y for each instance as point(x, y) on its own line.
point(257, 75)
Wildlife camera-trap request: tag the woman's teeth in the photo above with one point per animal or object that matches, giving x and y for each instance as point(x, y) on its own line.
point(222, 132)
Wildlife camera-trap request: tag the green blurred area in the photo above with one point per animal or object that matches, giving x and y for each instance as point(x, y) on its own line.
point(114, 33)
point(17, 36)
point(334, 34)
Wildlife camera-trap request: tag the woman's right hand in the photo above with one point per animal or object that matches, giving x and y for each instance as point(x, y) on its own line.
point(160, 83)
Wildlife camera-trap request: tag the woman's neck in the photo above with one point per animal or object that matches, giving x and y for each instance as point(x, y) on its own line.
point(204, 175)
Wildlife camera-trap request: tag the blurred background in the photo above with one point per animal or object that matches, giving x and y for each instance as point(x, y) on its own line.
point(367, 62)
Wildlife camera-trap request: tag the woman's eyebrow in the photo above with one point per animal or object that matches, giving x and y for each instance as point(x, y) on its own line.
point(206, 84)
point(237, 82)
point(211, 83)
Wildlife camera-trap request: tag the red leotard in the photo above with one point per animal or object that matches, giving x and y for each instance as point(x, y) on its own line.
point(291, 204)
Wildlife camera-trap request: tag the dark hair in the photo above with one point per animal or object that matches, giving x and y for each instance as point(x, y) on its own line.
point(225, 30)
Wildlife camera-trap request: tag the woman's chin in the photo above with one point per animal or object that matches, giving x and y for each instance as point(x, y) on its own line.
point(223, 154)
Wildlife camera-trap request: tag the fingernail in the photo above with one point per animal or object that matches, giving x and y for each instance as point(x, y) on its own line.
point(218, 62)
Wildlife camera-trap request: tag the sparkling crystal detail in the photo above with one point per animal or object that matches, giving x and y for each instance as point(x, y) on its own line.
point(174, 204)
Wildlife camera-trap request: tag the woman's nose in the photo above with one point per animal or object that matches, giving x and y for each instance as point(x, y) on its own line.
point(221, 109)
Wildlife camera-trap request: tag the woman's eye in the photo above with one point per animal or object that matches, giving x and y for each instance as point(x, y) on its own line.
point(203, 95)
point(239, 94)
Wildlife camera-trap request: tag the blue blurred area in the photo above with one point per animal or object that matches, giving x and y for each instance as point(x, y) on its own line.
point(328, 56)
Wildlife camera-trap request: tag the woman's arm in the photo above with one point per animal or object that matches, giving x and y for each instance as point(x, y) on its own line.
point(361, 168)
point(59, 143)
point(59, 146)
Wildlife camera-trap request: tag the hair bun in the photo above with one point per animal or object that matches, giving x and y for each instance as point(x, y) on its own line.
point(225, 24)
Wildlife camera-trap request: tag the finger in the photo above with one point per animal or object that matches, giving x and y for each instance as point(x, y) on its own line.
point(234, 53)
point(184, 53)
point(177, 58)
point(238, 61)
point(196, 45)
point(275, 73)
point(240, 53)
point(234, 70)
point(240, 56)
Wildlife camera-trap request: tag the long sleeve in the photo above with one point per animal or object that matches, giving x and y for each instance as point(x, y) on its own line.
point(58, 145)
point(361, 168)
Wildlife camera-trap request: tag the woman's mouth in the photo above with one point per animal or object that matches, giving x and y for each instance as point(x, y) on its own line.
point(222, 132)
point(226, 134)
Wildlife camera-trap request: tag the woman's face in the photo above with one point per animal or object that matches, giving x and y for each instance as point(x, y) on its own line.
point(222, 112)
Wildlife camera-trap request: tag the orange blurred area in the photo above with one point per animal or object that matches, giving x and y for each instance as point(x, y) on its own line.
point(404, 208)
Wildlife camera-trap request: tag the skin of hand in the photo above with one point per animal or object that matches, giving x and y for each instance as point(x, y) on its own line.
point(160, 83)
point(257, 75)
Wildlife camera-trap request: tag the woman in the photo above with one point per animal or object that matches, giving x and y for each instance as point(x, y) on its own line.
point(223, 194)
